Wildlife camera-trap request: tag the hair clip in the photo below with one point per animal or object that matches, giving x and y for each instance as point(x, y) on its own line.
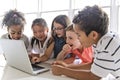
point(14, 15)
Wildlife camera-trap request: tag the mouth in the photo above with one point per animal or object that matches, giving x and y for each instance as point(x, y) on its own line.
point(71, 45)
point(58, 34)
point(16, 38)
point(39, 37)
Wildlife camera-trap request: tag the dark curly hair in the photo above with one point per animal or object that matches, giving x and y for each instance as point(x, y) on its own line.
point(92, 19)
point(13, 17)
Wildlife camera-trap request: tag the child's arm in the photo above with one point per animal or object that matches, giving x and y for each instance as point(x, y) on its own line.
point(86, 66)
point(61, 55)
point(64, 52)
point(73, 73)
point(44, 57)
point(48, 53)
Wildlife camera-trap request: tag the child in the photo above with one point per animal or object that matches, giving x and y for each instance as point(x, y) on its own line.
point(59, 24)
point(73, 49)
point(40, 48)
point(14, 21)
point(91, 25)
point(57, 40)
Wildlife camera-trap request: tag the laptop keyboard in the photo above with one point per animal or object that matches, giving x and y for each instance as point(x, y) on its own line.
point(36, 67)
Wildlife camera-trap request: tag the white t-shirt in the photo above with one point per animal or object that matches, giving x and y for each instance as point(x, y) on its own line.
point(107, 56)
point(38, 49)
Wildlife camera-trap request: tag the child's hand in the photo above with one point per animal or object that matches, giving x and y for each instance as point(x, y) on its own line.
point(35, 60)
point(56, 70)
point(61, 63)
point(67, 48)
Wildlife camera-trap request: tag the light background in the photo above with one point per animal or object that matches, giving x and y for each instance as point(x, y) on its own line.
point(48, 9)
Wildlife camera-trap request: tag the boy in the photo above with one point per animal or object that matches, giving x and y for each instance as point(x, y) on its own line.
point(91, 25)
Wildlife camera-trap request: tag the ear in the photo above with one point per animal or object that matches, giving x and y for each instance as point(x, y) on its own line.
point(94, 35)
point(47, 30)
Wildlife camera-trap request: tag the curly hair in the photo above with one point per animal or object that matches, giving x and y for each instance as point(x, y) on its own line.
point(92, 19)
point(13, 17)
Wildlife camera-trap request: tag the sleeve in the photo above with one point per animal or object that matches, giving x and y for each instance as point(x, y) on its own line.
point(29, 46)
point(26, 41)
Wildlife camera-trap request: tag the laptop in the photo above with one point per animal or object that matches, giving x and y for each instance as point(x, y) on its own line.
point(16, 56)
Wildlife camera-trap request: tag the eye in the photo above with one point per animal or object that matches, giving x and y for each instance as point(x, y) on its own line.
point(20, 32)
point(58, 28)
point(41, 31)
point(12, 32)
point(78, 34)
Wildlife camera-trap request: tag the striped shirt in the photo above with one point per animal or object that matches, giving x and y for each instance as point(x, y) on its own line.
point(107, 56)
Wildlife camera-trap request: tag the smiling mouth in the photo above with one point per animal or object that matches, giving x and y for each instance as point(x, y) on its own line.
point(16, 38)
point(58, 34)
point(71, 45)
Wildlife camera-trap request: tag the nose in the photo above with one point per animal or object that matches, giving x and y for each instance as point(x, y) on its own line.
point(58, 32)
point(38, 34)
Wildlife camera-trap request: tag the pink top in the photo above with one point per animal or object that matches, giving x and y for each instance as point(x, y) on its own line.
point(86, 56)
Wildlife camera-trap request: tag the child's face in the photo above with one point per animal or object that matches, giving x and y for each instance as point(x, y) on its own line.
point(15, 32)
point(85, 40)
point(40, 32)
point(72, 39)
point(58, 29)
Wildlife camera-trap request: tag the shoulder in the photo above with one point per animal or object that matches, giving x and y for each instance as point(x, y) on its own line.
point(109, 37)
point(5, 36)
point(24, 37)
point(109, 43)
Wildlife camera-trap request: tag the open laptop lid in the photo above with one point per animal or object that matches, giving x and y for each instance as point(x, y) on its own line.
point(17, 56)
